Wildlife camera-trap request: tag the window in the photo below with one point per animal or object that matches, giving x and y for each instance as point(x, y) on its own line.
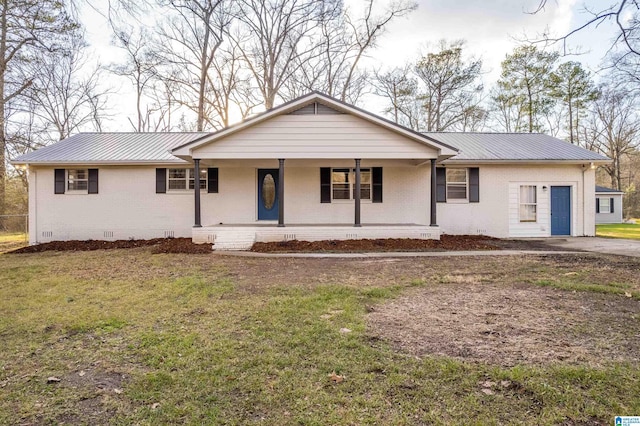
point(343, 184)
point(183, 179)
point(528, 203)
point(605, 205)
point(456, 184)
point(77, 180)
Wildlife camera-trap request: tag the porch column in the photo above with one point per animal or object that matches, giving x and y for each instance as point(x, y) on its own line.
point(196, 192)
point(356, 196)
point(433, 193)
point(281, 193)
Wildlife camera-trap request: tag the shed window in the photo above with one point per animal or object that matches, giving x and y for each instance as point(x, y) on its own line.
point(77, 179)
point(605, 205)
point(343, 183)
point(457, 184)
point(183, 179)
point(528, 203)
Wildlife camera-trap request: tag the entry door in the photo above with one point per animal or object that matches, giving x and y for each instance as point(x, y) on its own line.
point(560, 210)
point(268, 194)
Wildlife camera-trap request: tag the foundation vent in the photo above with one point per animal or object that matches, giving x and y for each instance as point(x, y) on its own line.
point(168, 234)
point(47, 234)
point(289, 237)
point(108, 234)
point(352, 236)
point(425, 235)
point(481, 231)
point(211, 238)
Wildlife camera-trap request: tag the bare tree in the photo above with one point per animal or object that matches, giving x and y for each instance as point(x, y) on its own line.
point(625, 14)
point(345, 38)
point(400, 90)
point(614, 129)
point(28, 30)
point(276, 37)
point(188, 43)
point(66, 101)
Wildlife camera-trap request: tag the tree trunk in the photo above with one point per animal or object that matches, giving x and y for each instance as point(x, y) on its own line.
point(3, 135)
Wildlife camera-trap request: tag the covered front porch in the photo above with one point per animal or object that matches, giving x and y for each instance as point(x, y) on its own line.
point(242, 237)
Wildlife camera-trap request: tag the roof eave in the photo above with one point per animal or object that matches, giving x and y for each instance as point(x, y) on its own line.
point(97, 163)
point(527, 161)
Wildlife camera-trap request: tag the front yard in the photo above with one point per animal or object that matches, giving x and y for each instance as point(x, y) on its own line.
point(130, 337)
point(619, 230)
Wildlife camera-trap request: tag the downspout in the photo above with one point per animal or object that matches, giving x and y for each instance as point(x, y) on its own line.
point(35, 204)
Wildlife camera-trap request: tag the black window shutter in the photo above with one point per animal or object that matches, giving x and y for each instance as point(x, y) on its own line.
point(59, 175)
point(474, 185)
point(376, 180)
point(611, 205)
point(93, 181)
point(597, 205)
point(441, 185)
point(325, 185)
point(212, 177)
point(161, 181)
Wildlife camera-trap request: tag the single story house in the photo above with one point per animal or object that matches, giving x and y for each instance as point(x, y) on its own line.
point(608, 205)
point(314, 168)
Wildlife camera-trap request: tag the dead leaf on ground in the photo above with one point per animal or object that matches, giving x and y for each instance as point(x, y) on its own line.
point(336, 378)
point(53, 379)
point(626, 293)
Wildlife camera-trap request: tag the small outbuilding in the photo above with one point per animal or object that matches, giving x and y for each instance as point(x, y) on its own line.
point(608, 205)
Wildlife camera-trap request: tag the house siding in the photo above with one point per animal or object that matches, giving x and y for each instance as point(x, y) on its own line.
point(497, 213)
point(616, 216)
point(129, 207)
point(340, 136)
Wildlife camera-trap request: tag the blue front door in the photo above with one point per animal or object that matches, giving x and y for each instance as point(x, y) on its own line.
point(268, 194)
point(560, 210)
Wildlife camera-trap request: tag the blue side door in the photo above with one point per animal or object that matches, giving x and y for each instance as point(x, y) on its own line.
point(560, 210)
point(268, 194)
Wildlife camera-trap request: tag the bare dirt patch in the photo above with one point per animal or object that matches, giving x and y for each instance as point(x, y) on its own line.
point(510, 324)
point(160, 245)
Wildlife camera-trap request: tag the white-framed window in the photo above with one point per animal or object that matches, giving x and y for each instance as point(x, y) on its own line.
point(77, 180)
point(343, 183)
point(528, 203)
point(605, 205)
point(184, 179)
point(457, 184)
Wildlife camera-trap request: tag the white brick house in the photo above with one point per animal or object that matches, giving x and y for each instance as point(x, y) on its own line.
point(293, 172)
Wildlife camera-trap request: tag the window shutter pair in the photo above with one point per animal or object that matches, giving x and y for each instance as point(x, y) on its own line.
point(60, 181)
point(376, 184)
point(212, 180)
point(474, 184)
point(610, 205)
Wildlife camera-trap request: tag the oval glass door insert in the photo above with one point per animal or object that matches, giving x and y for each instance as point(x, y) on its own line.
point(268, 192)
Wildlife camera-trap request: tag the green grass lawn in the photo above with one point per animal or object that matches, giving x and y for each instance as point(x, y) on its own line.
point(619, 230)
point(136, 338)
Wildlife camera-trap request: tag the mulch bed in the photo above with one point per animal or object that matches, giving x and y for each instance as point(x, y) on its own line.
point(446, 243)
point(160, 245)
point(185, 245)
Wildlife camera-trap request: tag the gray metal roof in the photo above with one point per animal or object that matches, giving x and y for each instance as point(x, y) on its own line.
point(155, 147)
point(608, 190)
point(111, 148)
point(513, 147)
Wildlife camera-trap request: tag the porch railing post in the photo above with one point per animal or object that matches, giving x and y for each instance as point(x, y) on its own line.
point(196, 192)
point(356, 196)
point(281, 192)
point(433, 193)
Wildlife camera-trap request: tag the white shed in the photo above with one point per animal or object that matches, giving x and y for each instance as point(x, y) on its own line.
point(608, 205)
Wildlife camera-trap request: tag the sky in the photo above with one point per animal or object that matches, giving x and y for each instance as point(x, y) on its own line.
point(491, 28)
